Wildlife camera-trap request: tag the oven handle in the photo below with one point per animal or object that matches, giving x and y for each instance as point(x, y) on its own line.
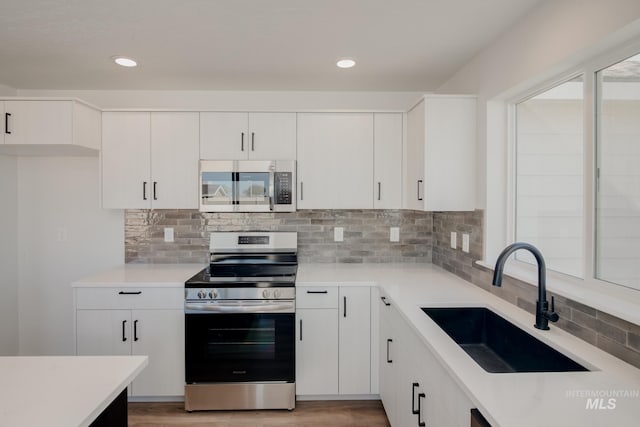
point(240, 307)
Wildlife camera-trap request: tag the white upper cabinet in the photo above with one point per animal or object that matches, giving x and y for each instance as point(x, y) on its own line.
point(174, 160)
point(55, 127)
point(335, 160)
point(149, 160)
point(241, 136)
point(387, 157)
point(440, 154)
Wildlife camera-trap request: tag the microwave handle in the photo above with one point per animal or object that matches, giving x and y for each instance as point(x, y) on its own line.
point(272, 189)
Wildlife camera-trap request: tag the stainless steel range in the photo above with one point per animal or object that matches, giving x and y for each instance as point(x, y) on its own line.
point(240, 324)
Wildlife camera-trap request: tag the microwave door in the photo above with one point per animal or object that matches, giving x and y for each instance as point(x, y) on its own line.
point(255, 186)
point(217, 186)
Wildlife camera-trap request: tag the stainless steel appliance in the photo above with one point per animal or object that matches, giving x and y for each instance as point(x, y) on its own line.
point(247, 185)
point(240, 324)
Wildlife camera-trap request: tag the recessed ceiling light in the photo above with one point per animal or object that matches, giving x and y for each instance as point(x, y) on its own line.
point(346, 63)
point(125, 62)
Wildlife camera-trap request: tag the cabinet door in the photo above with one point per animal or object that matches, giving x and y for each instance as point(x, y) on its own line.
point(355, 340)
point(335, 160)
point(126, 162)
point(224, 136)
point(387, 169)
point(414, 158)
point(272, 136)
point(450, 153)
point(388, 368)
point(3, 121)
point(103, 332)
point(39, 122)
point(159, 334)
point(316, 351)
point(174, 160)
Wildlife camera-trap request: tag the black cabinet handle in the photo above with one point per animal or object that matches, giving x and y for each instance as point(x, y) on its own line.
point(419, 196)
point(421, 422)
point(242, 141)
point(414, 386)
point(253, 135)
point(155, 190)
point(389, 341)
point(6, 123)
point(129, 293)
point(317, 292)
point(345, 307)
point(135, 330)
point(144, 190)
point(384, 300)
point(124, 337)
point(379, 190)
point(300, 329)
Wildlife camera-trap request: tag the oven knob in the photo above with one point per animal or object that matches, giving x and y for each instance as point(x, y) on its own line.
point(202, 294)
point(213, 294)
point(265, 294)
point(276, 293)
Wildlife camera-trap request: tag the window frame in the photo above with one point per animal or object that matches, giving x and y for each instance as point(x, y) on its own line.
point(617, 299)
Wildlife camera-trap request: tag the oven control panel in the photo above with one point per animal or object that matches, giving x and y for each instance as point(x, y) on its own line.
point(192, 294)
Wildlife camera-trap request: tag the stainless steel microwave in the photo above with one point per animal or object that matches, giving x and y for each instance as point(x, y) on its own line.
point(247, 185)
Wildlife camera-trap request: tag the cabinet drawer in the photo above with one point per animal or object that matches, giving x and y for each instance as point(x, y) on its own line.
point(129, 298)
point(317, 297)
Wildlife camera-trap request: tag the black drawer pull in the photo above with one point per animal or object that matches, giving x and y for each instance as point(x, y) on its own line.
point(6, 123)
point(124, 337)
point(135, 330)
point(414, 386)
point(389, 341)
point(384, 300)
point(317, 292)
point(129, 293)
point(421, 422)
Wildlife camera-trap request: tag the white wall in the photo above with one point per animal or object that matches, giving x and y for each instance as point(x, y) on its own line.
point(237, 100)
point(64, 235)
point(7, 91)
point(8, 256)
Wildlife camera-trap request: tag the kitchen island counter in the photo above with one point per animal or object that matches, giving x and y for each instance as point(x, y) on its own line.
point(62, 391)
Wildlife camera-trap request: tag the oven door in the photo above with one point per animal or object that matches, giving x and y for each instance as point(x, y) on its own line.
point(239, 347)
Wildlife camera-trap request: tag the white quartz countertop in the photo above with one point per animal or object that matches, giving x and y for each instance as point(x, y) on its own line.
point(142, 275)
point(62, 391)
point(505, 399)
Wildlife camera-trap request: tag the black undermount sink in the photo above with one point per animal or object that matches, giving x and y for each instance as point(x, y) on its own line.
point(496, 344)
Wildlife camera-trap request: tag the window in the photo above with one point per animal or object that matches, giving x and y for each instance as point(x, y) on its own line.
point(549, 200)
point(617, 242)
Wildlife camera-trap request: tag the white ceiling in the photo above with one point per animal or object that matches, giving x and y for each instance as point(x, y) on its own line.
point(400, 45)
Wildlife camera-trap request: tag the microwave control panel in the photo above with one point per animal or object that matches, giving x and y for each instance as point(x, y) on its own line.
point(283, 188)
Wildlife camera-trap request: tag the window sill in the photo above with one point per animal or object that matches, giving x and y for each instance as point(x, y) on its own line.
point(612, 299)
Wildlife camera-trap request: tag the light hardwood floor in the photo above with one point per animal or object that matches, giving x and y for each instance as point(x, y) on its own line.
point(365, 413)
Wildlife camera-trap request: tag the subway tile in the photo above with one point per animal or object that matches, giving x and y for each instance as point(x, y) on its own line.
point(622, 352)
point(616, 321)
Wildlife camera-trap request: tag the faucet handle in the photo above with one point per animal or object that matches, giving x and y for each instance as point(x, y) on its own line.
point(551, 315)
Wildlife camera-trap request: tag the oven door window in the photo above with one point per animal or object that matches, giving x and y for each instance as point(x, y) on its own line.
point(240, 347)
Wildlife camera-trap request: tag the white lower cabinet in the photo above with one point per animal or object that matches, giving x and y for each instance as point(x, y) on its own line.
point(333, 340)
point(125, 322)
point(414, 387)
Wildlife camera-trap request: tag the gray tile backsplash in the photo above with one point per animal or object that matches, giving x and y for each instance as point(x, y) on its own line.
point(366, 234)
point(424, 237)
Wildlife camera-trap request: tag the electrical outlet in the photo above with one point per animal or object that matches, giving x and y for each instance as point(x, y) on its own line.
point(394, 234)
point(454, 240)
point(168, 234)
point(465, 243)
point(338, 234)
